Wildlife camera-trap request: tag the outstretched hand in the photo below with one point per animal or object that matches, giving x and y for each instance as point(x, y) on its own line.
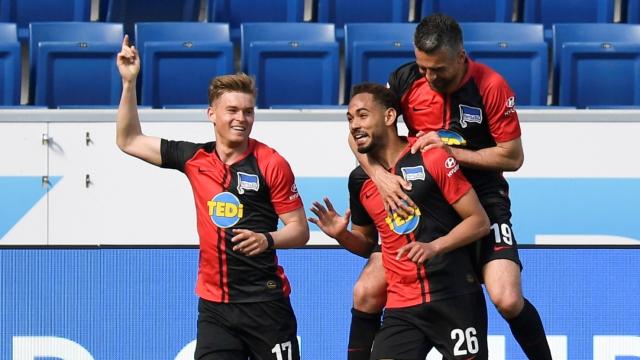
point(329, 221)
point(128, 61)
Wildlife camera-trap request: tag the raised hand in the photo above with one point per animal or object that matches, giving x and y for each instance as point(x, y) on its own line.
point(128, 61)
point(329, 221)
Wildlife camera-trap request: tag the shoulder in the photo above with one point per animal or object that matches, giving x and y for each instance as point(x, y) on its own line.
point(403, 77)
point(357, 177)
point(487, 79)
point(265, 154)
point(438, 159)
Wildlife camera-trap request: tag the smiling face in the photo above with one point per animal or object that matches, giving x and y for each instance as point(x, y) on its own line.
point(367, 122)
point(232, 115)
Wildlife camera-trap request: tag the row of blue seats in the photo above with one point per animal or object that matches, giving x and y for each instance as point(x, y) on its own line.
point(298, 63)
point(236, 12)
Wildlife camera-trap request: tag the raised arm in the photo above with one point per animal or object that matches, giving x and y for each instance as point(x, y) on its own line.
point(129, 136)
point(360, 240)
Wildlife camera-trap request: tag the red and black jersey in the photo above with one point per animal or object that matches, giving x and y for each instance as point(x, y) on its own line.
point(481, 110)
point(437, 182)
point(248, 194)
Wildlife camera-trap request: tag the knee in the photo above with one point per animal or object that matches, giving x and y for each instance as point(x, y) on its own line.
point(369, 297)
point(508, 302)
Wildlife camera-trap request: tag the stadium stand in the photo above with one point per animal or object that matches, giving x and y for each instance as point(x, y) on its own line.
point(469, 10)
point(340, 12)
point(129, 12)
point(10, 63)
point(517, 51)
point(597, 64)
point(179, 59)
point(631, 11)
point(23, 12)
point(72, 63)
point(549, 12)
point(373, 50)
point(235, 12)
point(293, 63)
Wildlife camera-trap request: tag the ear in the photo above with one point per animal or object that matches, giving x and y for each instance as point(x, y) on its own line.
point(211, 114)
point(462, 56)
point(390, 116)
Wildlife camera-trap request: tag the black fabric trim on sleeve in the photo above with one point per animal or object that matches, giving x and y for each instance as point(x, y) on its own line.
point(359, 215)
point(401, 79)
point(176, 153)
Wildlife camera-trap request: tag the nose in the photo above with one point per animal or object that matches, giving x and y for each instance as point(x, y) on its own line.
point(430, 75)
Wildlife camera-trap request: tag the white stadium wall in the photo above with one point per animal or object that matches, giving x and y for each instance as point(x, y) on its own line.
point(578, 185)
point(98, 259)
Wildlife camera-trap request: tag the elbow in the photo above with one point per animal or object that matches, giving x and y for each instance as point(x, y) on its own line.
point(516, 162)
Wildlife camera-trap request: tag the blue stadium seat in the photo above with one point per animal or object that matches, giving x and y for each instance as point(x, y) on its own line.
point(24, 12)
point(236, 12)
point(631, 11)
point(73, 63)
point(179, 59)
point(470, 10)
point(293, 63)
point(517, 51)
point(10, 62)
point(371, 55)
point(549, 12)
point(597, 64)
point(340, 12)
point(129, 12)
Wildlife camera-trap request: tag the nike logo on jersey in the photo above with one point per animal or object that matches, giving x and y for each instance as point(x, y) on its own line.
point(415, 109)
point(499, 248)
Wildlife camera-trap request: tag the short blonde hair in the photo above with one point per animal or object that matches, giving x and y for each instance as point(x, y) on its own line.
point(239, 82)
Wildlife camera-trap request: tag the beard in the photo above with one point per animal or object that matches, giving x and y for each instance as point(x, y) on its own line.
point(440, 85)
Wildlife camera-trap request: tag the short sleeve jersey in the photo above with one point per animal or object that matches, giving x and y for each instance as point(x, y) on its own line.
point(437, 183)
point(249, 194)
point(482, 110)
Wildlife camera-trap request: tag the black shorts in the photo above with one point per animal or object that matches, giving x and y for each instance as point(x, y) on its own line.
point(456, 326)
point(260, 331)
point(500, 243)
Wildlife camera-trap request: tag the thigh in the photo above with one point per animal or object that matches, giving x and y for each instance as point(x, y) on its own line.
point(370, 290)
point(500, 243)
point(269, 330)
point(216, 339)
point(400, 338)
point(458, 326)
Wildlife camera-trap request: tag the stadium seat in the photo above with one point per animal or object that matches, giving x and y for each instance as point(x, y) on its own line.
point(340, 12)
point(371, 55)
point(517, 51)
point(236, 12)
point(10, 63)
point(23, 12)
point(293, 63)
point(597, 64)
point(469, 10)
point(129, 12)
point(631, 11)
point(179, 59)
point(73, 63)
point(549, 12)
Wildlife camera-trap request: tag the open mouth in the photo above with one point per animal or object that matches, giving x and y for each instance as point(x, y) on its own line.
point(360, 137)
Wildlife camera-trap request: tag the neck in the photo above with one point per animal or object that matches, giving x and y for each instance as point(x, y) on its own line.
point(388, 154)
point(230, 153)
